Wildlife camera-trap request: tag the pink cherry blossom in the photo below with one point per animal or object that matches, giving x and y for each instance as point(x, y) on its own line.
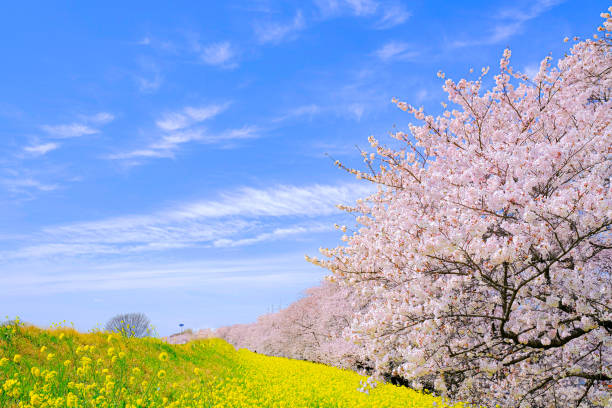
point(485, 258)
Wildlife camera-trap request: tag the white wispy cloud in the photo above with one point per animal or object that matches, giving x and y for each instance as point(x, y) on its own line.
point(356, 109)
point(37, 278)
point(384, 14)
point(535, 8)
point(220, 54)
point(25, 184)
point(298, 112)
point(509, 22)
point(277, 201)
point(189, 116)
point(245, 132)
point(140, 153)
point(274, 235)
point(149, 79)
point(396, 51)
point(129, 157)
point(167, 145)
point(329, 8)
point(393, 16)
point(275, 33)
point(100, 118)
point(156, 43)
point(69, 131)
point(149, 84)
point(81, 128)
point(40, 149)
point(182, 127)
point(239, 217)
point(311, 109)
point(362, 7)
point(171, 141)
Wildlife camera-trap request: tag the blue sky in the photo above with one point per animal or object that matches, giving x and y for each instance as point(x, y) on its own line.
point(173, 158)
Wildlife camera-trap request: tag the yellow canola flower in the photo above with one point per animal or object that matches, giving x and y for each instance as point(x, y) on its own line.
point(50, 356)
point(3, 361)
point(43, 349)
point(17, 358)
point(109, 386)
point(163, 356)
point(9, 384)
point(49, 376)
point(71, 400)
point(35, 371)
point(35, 399)
point(161, 374)
point(59, 402)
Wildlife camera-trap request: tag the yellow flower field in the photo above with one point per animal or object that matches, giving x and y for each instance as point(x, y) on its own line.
point(63, 368)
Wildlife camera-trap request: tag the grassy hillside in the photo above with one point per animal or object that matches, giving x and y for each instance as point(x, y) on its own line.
point(64, 368)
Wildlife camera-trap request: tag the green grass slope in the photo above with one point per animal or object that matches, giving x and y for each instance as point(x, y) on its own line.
point(64, 368)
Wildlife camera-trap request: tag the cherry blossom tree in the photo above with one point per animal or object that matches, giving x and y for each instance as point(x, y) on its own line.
point(486, 255)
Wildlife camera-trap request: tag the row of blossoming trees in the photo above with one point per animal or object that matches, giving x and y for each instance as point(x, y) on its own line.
point(481, 268)
point(309, 329)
